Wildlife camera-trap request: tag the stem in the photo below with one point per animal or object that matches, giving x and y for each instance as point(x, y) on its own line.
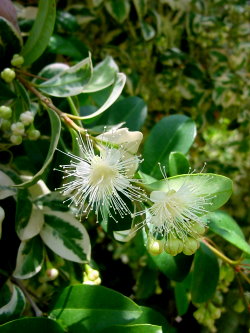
point(36, 309)
point(73, 110)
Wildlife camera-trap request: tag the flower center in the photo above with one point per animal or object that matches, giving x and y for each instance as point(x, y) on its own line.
point(101, 172)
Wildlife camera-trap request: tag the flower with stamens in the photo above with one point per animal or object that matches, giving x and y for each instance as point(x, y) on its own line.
point(102, 181)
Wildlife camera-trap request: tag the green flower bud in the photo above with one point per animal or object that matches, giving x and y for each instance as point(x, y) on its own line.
point(17, 60)
point(27, 117)
point(173, 246)
point(33, 134)
point(5, 125)
point(214, 311)
point(198, 229)
point(16, 139)
point(17, 128)
point(155, 247)
point(190, 246)
point(5, 112)
point(8, 75)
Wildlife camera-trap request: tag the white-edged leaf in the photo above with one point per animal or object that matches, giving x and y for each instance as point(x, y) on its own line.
point(66, 236)
point(5, 186)
point(12, 302)
point(115, 93)
point(2, 216)
point(29, 258)
point(34, 225)
point(69, 82)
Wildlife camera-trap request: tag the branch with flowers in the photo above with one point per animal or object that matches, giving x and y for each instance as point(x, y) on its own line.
point(79, 173)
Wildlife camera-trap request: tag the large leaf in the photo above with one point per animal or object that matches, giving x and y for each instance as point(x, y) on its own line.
point(69, 82)
point(173, 133)
point(66, 236)
point(178, 164)
point(23, 212)
point(131, 110)
point(175, 268)
point(41, 31)
point(55, 124)
point(12, 302)
point(32, 325)
point(114, 94)
point(151, 316)
point(205, 275)
point(29, 258)
point(85, 308)
point(137, 328)
point(217, 188)
point(103, 76)
point(225, 226)
point(181, 298)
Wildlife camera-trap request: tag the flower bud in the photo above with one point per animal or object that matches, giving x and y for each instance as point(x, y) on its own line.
point(5, 112)
point(17, 128)
point(52, 273)
point(33, 134)
point(5, 125)
point(155, 247)
point(16, 139)
point(214, 311)
point(198, 228)
point(93, 275)
point(27, 117)
point(190, 246)
point(173, 246)
point(17, 60)
point(8, 75)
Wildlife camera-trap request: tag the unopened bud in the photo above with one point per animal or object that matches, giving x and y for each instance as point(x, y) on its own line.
point(5, 125)
point(5, 112)
point(173, 246)
point(190, 246)
point(16, 139)
point(27, 117)
point(17, 60)
point(8, 75)
point(198, 228)
point(17, 128)
point(93, 275)
point(155, 247)
point(52, 273)
point(33, 134)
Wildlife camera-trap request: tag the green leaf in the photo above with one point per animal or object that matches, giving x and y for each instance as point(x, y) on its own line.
point(6, 189)
point(66, 236)
point(138, 328)
point(118, 9)
point(23, 212)
point(150, 316)
point(41, 31)
point(225, 226)
point(146, 283)
point(5, 93)
point(85, 308)
point(178, 164)
point(205, 275)
point(181, 299)
point(173, 133)
point(104, 74)
point(114, 94)
point(55, 135)
point(12, 302)
point(69, 82)
point(131, 110)
point(141, 7)
point(32, 325)
point(148, 32)
point(29, 258)
point(217, 188)
point(175, 268)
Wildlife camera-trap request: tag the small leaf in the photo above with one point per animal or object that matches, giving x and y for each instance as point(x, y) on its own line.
point(114, 94)
point(148, 32)
point(141, 7)
point(205, 275)
point(33, 225)
point(12, 302)
point(32, 325)
point(69, 82)
point(85, 308)
point(66, 236)
point(173, 133)
point(55, 135)
point(5, 186)
point(178, 164)
point(181, 298)
point(29, 258)
point(118, 9)
point(225, 226)
point(41, 31)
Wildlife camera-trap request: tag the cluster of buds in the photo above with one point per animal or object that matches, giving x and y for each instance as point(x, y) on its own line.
point(8, 74)
point(206, 315)
point(16, 131)
point(91, 276)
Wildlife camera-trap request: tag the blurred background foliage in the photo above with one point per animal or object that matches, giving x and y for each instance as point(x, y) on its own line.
point(180, 56)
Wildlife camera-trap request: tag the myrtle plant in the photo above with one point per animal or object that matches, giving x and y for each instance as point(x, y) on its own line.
point(81, 177)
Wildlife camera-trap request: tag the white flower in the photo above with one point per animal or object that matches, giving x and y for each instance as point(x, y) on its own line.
point(176, 213)
point(101, 181)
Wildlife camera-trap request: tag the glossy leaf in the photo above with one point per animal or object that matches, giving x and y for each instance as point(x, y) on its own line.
point(55, 124)
point(137, 328)
point(33, 225)
point(12, 302)
point(226, 227)
point(181, 298)
point(205, 275)
point(69, 82)
point(32, 325)
point(118, 9)
point(23, 211)
point(66, 236)
point(6, 184)
point(85, 308)
point(29, 258)
point(41, 31)
point(153, 317)
point(218, 188)
point(178, 164)
point(173, 133)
